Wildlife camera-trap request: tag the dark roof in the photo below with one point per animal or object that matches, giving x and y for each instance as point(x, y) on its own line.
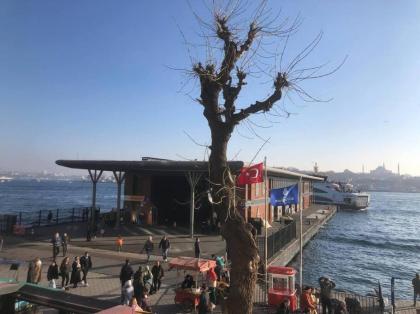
point(144, 166)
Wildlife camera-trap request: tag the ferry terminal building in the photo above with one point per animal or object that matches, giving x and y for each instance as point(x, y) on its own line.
point(159, 191)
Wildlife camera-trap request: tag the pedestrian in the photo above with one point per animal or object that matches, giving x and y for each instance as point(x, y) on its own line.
point(165, 245)
point(127, 292)
point(119, 242)
point(158, 274)
point(34, 271)
point(65, 272)
point(203, 305)
point(220, 266)
point(148, 247)
point(86, 265)
point(64, 242)
point(212, 278)
point(88, 234)
point(76, 269)
point(52, 274)
point(197, 250)
point(56, 243)
point(307, 305)
point(138, 284)
point(284, 307)
point(148, 279)
point(144, 303)
point(126, 272)
point(416, 287)
point(326, 286)
point(49, 217)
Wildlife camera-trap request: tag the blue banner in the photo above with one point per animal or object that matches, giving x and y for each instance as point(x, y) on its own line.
point(285, 196)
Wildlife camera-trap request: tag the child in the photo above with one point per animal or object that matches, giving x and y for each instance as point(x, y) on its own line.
point(119, 242)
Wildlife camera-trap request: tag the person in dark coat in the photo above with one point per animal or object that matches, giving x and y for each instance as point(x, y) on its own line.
point(52, 274)
point(65, 272)
point(197, 249)
point(64, 242)
point(138, 284)
point(76, 269)
point(284, 307)
point(30, 274)
point(157, 272)
point(326, 286)
point(86, 264)
point(165, 245)
point(416, 287)
point(126, 272)
point(203, 305)
point(148, 247)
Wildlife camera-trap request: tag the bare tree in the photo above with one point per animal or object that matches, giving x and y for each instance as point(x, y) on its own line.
point(232, 52)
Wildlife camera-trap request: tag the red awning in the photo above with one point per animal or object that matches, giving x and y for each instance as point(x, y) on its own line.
point(190, 263)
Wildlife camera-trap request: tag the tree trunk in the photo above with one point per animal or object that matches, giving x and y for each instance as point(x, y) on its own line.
point(241, 246)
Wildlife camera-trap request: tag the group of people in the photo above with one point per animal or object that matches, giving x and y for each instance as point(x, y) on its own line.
point(74, 273)
point(136, 286)
point(58, 242)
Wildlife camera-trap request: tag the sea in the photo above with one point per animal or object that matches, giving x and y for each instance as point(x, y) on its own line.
point(355, 249)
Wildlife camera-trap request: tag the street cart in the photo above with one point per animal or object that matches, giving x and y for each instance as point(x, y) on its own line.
point(195, 268)
point(281, 286)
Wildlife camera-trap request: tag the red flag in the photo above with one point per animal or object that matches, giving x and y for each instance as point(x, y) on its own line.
point(253, 174)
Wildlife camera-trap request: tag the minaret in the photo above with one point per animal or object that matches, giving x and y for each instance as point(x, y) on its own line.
point(316, 168)
point(363, 168)
point(399, 169)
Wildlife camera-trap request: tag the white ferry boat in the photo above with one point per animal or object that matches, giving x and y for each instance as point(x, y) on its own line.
point(4, 178)
point(339, 194)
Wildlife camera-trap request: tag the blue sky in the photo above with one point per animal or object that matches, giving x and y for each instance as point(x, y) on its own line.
point(92, 80)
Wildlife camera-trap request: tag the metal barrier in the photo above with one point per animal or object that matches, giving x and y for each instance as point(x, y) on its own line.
point(277, 240)
point(45, 217)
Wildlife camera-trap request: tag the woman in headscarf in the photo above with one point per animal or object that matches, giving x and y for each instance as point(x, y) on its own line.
point(76, 269)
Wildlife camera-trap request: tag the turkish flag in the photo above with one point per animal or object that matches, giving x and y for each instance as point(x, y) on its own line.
point(253, 174)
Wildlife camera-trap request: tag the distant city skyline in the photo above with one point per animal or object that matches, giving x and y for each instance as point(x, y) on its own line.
point(92, 80)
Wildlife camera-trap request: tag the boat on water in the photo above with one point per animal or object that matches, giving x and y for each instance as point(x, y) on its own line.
point(4, 178)
point(343, 195)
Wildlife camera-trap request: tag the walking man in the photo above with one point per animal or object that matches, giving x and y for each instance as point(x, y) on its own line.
point(164, 245)
point(56, 242)
point(326, 286)
point(148, 247)
point(64, 242)
point(197, 250)
point(416, 287)
point(86, 265)
point(157, 272)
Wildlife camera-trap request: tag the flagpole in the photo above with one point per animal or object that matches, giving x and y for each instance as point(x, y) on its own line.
point(300, 240)
point(265, 229)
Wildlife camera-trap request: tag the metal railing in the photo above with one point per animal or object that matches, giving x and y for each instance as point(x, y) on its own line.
point(277, 240)
point(45, 217)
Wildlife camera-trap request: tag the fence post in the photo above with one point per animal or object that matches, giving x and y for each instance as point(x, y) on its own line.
point(72, 215)
point(56, 217)
point(39, 218)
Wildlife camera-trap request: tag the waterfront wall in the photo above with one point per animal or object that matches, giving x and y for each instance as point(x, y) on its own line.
point(286, 255)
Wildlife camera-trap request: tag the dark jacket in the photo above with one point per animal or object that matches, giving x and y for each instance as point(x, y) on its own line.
point(75, 273)
point(148, 246)
point(64, 269)
point(126, 273)
point(65, 240)
point(157, 271)
point(164, 244)
point(52, 272)
point(416, 285)
point(326, 286)
point(85, 262)
point(197, 247)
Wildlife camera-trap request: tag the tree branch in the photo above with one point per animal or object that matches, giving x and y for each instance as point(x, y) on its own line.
point(263, 106)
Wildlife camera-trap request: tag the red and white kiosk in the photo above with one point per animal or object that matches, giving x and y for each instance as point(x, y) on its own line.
point(281, 286)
